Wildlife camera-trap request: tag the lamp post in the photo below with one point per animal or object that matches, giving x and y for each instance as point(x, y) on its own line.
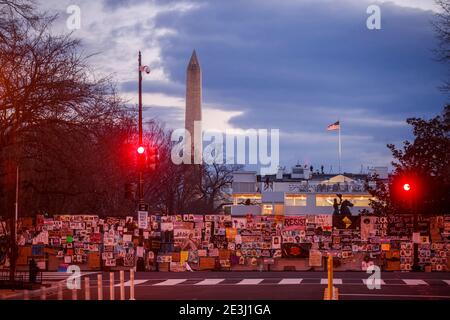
point(141, 149)
point(141, 180)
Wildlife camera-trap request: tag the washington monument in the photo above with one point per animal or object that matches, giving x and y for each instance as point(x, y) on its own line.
point(194, 106)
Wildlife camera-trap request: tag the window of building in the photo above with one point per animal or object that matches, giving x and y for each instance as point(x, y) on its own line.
point(267, 209)
point(357, 200)
point(295, 200)
point(243, 199)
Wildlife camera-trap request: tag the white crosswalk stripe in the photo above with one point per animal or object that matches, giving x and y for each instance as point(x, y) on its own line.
point(136, 282)
point(250, 281)
point(414, 282)
point(335, 281)
point(290, 281)
point(209, 282)
point(170, 282)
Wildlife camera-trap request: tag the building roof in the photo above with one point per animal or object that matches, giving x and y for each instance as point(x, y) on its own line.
point(319, 177)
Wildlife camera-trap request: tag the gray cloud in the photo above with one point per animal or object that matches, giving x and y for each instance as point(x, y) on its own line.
point(297, 66)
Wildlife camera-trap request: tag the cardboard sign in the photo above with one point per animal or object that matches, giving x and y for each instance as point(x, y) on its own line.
point(315, 258)
point(166, 226)
point(295, 223)
point(231, 233)
point(94, 260)
point(207, 263)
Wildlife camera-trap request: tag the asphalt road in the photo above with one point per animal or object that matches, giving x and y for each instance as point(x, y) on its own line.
point(269, 286)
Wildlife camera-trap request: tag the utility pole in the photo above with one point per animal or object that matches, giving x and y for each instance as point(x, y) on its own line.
point(141, 179)
point(13, 227)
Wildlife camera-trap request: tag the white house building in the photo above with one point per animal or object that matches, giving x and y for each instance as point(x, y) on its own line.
point(299, 192)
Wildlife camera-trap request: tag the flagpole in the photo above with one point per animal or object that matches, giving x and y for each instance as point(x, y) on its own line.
point(340, 148)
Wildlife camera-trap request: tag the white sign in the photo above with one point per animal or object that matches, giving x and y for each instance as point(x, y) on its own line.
point(143, 219)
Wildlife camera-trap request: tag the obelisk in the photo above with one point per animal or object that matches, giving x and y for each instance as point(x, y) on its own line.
point(194, 107)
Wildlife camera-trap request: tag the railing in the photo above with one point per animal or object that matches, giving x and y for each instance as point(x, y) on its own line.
point(22, 277)
point(328, 188)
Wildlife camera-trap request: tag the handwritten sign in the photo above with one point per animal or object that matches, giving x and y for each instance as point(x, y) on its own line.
point(295, 223)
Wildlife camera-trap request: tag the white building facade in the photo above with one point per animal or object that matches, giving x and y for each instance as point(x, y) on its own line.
point(300, 192)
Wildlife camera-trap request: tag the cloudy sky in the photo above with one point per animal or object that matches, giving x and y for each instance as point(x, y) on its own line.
point(295, 65)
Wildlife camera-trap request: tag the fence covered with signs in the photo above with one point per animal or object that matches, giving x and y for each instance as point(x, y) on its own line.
point(223, 242)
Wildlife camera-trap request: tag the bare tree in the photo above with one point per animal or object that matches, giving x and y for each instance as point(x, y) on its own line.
point(442, 28)
point(55, 120)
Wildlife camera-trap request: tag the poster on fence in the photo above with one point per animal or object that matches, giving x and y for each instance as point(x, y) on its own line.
point(142, 219)
point(346, 222)
point(295, 223)
point(315, 258)
point(296, 250)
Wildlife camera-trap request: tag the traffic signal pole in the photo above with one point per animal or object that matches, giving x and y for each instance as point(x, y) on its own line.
point(141, 179)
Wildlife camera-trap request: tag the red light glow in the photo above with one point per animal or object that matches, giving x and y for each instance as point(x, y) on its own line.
point(141, 150)
point(407, 187)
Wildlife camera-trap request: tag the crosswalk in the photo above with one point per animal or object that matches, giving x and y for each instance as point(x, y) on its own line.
point(284, 281)
point(60, 276)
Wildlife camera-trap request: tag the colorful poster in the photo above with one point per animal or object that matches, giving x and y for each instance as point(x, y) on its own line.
point(276, 242)
point(296, 250)
point(368, 227)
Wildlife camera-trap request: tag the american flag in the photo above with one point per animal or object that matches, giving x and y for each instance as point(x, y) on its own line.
point(334, 126)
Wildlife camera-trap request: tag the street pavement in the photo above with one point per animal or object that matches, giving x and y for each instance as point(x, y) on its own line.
point(263, 286)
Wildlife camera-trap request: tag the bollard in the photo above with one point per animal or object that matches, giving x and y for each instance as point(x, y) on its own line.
point(43, 293)
point(26, 295)
point(330, 276)
point(74, 294)
point(122, 285)
point(100, 287)
point(111, 286)
point(132, 284)
point(60, 291)
point(87, 289)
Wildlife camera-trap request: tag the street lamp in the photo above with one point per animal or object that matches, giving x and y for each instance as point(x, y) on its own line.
point(141, 149)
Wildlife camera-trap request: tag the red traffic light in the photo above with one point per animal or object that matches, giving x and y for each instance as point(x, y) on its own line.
point(141, 150)
point(407, 187)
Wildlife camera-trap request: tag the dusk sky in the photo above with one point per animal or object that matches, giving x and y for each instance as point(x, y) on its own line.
point(296, 66)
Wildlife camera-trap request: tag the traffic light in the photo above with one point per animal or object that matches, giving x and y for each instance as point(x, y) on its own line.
point(152, 158)
point(141, 156)
point(406, 191)
point(147, 157)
